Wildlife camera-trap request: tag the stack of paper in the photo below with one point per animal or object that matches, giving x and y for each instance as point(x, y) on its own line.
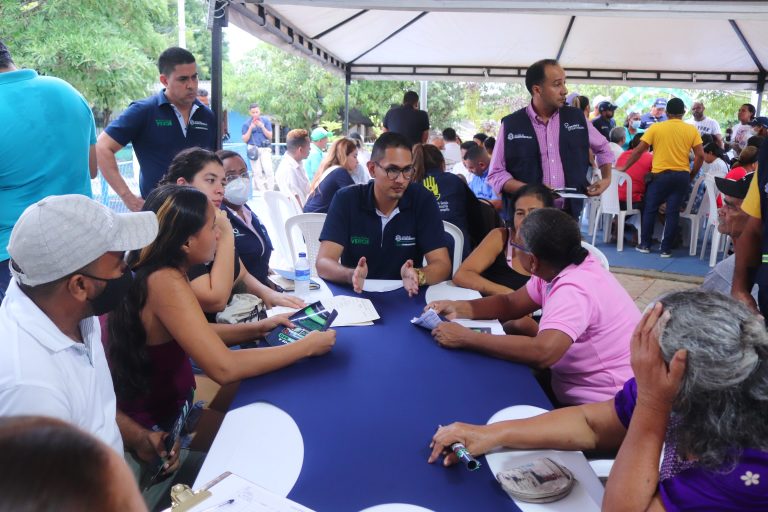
point(232, 493)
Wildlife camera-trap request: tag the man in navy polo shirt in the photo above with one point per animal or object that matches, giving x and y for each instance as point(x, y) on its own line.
point(159, 127)
point(380, 230)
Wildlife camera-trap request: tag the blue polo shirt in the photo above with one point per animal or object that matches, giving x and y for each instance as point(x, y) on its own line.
point(258, 138)
point(46, 134)
point(414, 231)
point(451, 196)
point(154, 129)
point(254, 249)
point(320, 199)
point(482, 190)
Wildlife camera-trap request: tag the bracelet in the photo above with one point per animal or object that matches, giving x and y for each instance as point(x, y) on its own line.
point(422, 277)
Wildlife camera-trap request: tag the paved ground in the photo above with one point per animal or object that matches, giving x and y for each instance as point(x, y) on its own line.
point(643, 287)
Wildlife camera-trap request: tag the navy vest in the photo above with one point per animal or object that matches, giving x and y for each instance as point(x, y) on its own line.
point(761, 279)
point(523, 157)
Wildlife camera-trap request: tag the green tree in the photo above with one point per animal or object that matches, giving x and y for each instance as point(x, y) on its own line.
point(197, 34)
point(106, 50)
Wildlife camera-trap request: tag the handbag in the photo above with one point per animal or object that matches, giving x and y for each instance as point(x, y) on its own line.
point(242, 307)
point(253, 152)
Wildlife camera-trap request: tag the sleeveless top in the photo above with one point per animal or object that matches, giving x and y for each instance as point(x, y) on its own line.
point(171, 383)
point(501, 271)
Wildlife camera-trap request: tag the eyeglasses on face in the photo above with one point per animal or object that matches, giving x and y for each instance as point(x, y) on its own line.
point(232, 177)
point(393, 172)
point(519, 247)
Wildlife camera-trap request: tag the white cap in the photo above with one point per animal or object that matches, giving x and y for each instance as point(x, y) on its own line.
point(61, 234)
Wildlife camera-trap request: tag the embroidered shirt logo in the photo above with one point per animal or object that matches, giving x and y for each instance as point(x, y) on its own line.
point(198, 125)
point(405, 240)
point(360, 240)
point(163, 122)
point(513, 136)
point(750, 478)
point(571, 127)
point(431, 185)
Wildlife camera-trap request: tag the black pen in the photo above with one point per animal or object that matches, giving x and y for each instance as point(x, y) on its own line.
point(223, 503)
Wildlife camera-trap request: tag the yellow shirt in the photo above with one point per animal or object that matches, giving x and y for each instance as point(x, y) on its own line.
point(751, 203)
point(672, 141)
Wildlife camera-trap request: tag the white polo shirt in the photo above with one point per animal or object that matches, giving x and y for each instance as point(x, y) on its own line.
point(292, 179)
point(43, 372)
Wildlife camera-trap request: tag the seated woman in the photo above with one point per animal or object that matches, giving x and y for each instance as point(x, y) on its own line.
point(700, 361)
point(494, 266)
point(213, 281)
point(252, 241)
point(160, 325)
point(335, 172)
point(450, 192)
point(587, 317)
point(637, 173)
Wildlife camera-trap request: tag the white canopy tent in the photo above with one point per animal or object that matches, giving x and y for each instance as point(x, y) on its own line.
point(710, 44)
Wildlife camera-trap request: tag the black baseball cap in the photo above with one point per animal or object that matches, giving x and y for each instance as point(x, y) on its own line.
point(734, 188)
point(606, 105)
point(760, 121)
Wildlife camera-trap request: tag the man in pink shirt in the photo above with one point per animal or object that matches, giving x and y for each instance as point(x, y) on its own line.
point(548, 142)
point(587, 317)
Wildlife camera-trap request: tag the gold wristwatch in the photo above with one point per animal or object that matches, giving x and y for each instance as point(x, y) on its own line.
point(421, 276)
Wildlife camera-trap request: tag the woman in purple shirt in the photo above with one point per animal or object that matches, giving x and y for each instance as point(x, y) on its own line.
point(700, 386)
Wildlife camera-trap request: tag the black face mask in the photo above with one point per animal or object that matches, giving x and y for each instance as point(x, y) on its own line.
point(112, 294)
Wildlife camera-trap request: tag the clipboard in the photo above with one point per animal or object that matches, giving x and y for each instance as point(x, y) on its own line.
point(230, 493)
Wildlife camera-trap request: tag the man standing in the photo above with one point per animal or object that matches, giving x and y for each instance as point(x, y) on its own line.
point(47, 142)
point(671, 172)
point(67, 260)
point(548, 142)
point(408, 120)
point(319, 138)
point(382, 230)
point(705, 125)
point(159, 127)
point(257, 134)
point(605, 123)
point(291, 178)
point(452, 150)
point(656, 115)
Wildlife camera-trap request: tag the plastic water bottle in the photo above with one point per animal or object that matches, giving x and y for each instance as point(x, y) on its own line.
point(301, 278)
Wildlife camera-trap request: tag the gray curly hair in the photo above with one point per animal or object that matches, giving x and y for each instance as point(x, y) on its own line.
point(722, 405)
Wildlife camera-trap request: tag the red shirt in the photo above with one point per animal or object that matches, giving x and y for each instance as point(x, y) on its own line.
point(637, 172)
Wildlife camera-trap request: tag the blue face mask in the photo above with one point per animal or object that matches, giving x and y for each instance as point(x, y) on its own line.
point(635, 124)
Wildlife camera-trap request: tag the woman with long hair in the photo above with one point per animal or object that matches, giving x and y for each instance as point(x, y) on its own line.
point(335, 172)
point(160, 325)
point(214, 280)
point(494, 266)
point(587, 316)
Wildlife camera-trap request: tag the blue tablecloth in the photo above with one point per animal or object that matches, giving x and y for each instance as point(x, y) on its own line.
point(368, 410)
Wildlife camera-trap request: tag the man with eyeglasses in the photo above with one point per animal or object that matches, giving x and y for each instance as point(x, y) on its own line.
point(383, 230)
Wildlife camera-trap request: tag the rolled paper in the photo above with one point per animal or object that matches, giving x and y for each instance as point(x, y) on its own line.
point(464, 456)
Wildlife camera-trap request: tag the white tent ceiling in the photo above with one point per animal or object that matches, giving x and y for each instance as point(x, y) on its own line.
point(701, 43)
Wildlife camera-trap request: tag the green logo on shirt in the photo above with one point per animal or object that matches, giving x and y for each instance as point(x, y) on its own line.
point(360, 240)
point(163, 122)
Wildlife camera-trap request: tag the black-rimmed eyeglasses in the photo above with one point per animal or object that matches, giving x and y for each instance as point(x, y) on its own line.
point(393, 172)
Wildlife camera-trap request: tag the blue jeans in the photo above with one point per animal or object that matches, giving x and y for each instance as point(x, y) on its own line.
point(5, 278)
point(670, 186)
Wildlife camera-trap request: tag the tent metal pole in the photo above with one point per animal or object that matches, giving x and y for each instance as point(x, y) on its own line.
point(347, 81)
point(424, 95)
point(219, 21)
point(760, 90)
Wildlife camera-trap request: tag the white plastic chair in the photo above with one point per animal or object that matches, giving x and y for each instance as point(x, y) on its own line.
point(280, 208)
point(711, 229)
point(610, 206)
point(310, 225)
point(458, 245)
point(695, 218)
point(597, 253)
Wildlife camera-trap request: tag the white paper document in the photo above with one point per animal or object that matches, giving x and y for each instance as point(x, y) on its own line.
point(382, 285)
point(245, 496)
point(353, 311)
point(428, 320)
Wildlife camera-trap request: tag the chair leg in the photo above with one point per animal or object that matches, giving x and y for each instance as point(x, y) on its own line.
point(704, 243)
point(596, 225)
point(715, 247)
point(620, 232)
point(694, 237)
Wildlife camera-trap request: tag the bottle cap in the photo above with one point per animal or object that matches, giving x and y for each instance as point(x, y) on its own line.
point(302, 255)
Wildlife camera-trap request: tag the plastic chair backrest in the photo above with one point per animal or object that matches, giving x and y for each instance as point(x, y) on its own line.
point(458, 244)
point(280, 208)
point(609, 199)
point(310, 225)
point(597, 253)
point(692, 198)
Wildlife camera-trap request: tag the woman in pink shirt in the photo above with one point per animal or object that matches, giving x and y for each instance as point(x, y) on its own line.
point(587, 317)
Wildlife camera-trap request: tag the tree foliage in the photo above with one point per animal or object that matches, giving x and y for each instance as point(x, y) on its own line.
point(106, 50)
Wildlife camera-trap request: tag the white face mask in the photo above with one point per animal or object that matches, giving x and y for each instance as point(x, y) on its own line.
point(238, 191)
